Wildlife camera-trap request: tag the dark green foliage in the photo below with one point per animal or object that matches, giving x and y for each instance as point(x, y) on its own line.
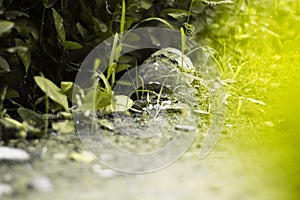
point(50, 38)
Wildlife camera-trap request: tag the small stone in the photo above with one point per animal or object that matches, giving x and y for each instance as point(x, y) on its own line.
point(167, 102)
point(176, 107)
point(103, 173)
point(185, 128)
point(84, 156)
point(41, 184)
point(53, 134)
point(60, 156)
point(106, 124)
point(13, 155)
point(5, 190)
point(150, 107)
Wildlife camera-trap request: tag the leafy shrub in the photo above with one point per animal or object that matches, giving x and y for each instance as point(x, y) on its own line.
point(50, 38)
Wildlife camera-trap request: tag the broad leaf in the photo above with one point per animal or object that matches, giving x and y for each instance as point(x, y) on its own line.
point(64, 127)
point(142, 4)
point(4, 66)
point(12, 123)
point(24, 55)
point(83, 32)
point(176, 13)
point(122, 67)
point(95, 100)
point(11, 93)
point(49, 3)
point(13, 14)
point(70, 45)
point(66, 85)
point(5, 27)
point(99, 26)
point(59, 26)
point(68, 88)
point(15, 49)
point(52, 91)
point(31, 117)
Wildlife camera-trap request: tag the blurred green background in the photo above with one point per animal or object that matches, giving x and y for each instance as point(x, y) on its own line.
point(264, 66)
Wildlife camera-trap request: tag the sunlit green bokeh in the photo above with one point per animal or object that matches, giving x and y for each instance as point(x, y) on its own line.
point(261, 60)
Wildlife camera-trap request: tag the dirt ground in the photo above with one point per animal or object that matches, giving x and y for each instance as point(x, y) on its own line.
point(242, 167)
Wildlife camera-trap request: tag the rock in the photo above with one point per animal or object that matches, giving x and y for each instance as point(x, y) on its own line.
point(104, 173)
point(5, 190)
point(172, 55)
point(13, 155)
point(41, 184)
point(164, 68)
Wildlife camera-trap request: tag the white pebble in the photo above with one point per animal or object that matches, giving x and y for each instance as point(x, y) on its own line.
point(5, 189)
point(13, 154)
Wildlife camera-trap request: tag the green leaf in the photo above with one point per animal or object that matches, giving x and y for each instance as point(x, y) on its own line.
point(122, 67)
point(144, 5)
point(48, 3)
point(52, 91)
point(12, 123)
point(4, 66)
point(15, 49)
point(83, 32)
point(83, 156)
point(122, 103)
point(64, 127)
point(176, 13)
point(95, 100)
point(31, 117)
point(70, 45)
point(11, 93)
point(59, 26)
point(99, 26)
point(132, 37)
point(105, 81)
point(66, 86)
point(24, 55)
point(14, 14)
point(5, 27)
point(113, 54)
point(111, 69)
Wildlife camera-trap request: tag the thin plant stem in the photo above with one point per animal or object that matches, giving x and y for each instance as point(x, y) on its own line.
point(1, 111)
point(42, 26)
point(190, 10)
point(182, 45)
point(47, 112)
